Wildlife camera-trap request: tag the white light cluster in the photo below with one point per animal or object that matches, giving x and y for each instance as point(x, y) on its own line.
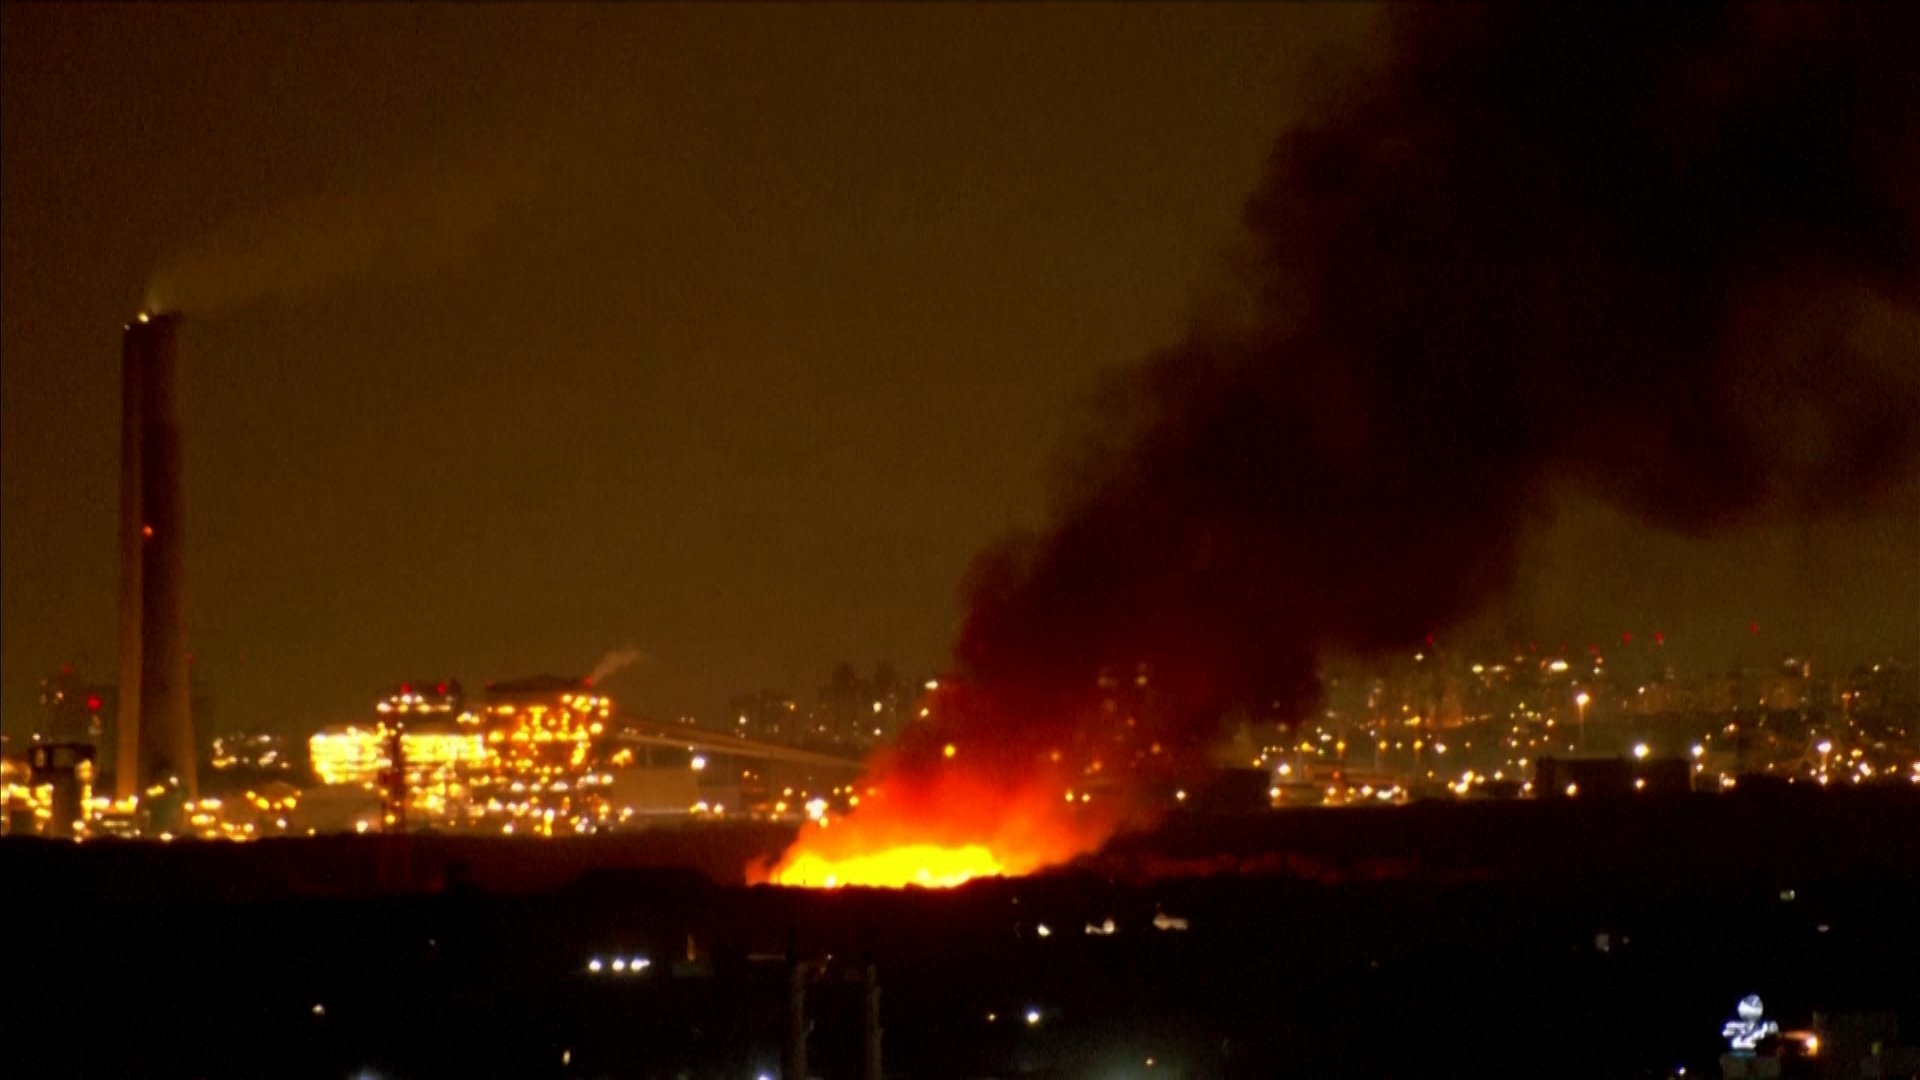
point(618, 965)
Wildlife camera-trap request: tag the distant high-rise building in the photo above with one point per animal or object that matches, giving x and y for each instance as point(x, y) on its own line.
point(845, 706)
point(856, 711)
point(769, 714)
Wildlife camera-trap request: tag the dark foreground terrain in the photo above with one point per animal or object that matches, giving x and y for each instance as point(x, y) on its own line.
point(1583, 938)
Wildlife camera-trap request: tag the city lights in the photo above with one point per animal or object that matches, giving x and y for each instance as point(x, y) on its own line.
point(1276, 440)
point(549, 759)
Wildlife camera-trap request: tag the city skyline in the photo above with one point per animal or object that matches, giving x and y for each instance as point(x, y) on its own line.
point(1022, 540)
point(748, 484)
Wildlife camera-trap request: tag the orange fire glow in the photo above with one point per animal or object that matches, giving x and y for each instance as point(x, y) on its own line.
point(929, 865)
point(941, 829)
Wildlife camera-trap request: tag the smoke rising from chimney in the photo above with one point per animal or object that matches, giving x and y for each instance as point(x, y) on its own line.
point(406, 227)
point(1664, 256)
point(613, 662)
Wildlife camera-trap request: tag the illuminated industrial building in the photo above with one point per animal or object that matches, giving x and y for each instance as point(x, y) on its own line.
point(257, 751)
point(521, 764)
point(547, 756)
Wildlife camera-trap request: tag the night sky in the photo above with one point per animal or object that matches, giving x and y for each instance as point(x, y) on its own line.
point(518, 335)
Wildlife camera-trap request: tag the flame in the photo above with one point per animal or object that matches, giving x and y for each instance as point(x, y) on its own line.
point(943, 827)
point(928, 865)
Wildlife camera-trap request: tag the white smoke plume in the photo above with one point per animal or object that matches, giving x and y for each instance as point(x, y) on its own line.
point(614, 661)
point(404, 227)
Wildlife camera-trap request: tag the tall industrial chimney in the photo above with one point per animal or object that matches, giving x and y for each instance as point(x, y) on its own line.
point(127, 773)
point(155, 742)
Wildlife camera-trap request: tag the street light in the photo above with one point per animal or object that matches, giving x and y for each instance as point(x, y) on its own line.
point(1580, 701)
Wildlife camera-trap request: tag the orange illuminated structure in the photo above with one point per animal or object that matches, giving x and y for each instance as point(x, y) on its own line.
point(540, 735)
point(524, 763)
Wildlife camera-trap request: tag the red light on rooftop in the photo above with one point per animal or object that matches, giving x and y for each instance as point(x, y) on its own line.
point(1626, 637)
point(406, 688)
point(93, 703)
point(1659, 638)
point(440, 689)
point(1753, 629)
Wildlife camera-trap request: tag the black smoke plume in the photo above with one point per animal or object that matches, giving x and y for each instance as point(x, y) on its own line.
point(1664, 254)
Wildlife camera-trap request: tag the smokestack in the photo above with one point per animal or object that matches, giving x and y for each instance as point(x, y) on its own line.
point(158, 743)
point(127, 719)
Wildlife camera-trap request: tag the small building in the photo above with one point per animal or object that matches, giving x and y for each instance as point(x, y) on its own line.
point(1565, 777)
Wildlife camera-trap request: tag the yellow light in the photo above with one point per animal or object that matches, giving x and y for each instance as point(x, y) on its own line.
point(949, 750)
point(928, 865)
